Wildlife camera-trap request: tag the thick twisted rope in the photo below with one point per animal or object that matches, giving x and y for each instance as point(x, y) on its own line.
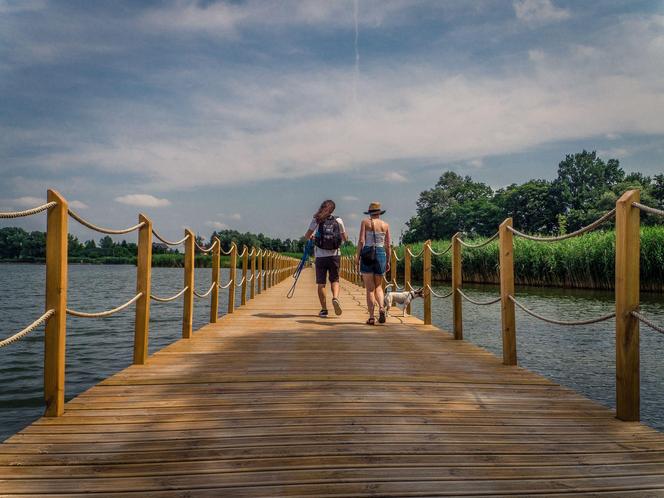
point(478, 303)
point(202, 249)
point(28, 212)
point(481, 244)
point(439, 296)
point(415, 255)
point(580, 231)
point(108, 231)
point(440, 253)
point(394, 255)
point(244, 250)
point(563, 322)
point(650, 324)
point(227, 285)
point(169, 242)
point(103, 314)
point(239, 284)
point(226, 253)
point(168, 299)
point(207, 293)
point(20, 335)
point(648, 209)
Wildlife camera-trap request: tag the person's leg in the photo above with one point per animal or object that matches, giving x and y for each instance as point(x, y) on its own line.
point(321, 274)
point(379, 295)
point(322, 296)
point(369, 286)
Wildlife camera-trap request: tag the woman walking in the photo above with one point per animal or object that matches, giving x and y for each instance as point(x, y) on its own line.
point(328, 233)
point(373, 259)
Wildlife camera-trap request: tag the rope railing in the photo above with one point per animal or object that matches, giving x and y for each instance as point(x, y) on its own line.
point(103, 314)
point(648, 209)
point(396, 257)
point(415, 255)
point(230, 282)
point(169, 242)
point(478, 303)
point(168, 299)
point(604, 218)
point(439, 296)
point(206, 294)
point(239, 284)
point(27, 212)
point(648, 322)
point(20, 335)
point(588, 321)
point(442, 252)
point(108, 231)
point(204, 249)
point(479, 244)
point(226, 253)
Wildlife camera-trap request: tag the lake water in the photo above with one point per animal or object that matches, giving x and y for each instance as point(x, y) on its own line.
point(578, 357)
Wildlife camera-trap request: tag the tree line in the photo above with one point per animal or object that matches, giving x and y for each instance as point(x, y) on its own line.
point(585, 188)
point(19, 244)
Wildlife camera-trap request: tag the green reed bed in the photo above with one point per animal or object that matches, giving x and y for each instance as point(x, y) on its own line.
point(587, 261)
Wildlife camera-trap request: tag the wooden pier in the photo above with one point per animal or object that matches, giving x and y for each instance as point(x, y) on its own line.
point(273, 401)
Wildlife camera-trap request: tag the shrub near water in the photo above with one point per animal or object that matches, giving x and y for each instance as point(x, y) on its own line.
point(587, 261)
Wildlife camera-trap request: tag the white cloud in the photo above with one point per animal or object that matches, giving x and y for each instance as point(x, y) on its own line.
point(476, 163)
point(142, 200)
point(217, 225)
point(394, 177)
point(29, 201)
point(349, 198)
point(78, 205)
point(539, 11)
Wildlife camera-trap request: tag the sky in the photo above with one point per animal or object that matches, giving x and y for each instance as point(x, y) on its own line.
point(248, 114)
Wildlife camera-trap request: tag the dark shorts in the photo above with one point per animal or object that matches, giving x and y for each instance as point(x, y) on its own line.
point(327, 264)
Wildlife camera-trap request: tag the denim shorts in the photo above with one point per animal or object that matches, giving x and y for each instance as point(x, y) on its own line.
point(379, 264)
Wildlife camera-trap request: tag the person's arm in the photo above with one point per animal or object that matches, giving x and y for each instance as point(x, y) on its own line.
point(312, 228)
point(360, 243)
point(388, 248)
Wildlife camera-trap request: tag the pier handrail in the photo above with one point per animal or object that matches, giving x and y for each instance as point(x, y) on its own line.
point(627, 312)
point(56, 310)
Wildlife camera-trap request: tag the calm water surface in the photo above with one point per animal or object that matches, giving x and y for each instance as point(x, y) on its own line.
point(578, 357)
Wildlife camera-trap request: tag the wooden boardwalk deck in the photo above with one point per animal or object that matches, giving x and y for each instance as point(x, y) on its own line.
point(272, 401)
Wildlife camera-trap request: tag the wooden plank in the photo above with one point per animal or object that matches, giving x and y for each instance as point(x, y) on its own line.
point(272, 401)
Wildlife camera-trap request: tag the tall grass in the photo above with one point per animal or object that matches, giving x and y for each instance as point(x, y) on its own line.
point(587, 261)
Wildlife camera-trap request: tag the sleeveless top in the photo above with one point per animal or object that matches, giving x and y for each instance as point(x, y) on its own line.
point(374, 239)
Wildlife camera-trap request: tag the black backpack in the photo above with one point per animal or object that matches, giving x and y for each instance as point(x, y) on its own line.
point(328, 235)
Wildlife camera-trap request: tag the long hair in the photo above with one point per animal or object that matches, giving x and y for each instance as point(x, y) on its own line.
point(324, 211)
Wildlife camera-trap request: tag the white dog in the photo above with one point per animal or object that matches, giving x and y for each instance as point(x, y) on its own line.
point(400, 299)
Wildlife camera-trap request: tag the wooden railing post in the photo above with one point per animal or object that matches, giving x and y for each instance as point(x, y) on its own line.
point(188, 314)
point(457, 280)
point(426, 275)
point(508, 319)
point(232, 278)
point(143, 285)
point(628, 250)
point(214, 297)
point(259, 282)
point(56, 299)
point(245, 261)
point(406, 272)
point(252, 287)
point(393, 267)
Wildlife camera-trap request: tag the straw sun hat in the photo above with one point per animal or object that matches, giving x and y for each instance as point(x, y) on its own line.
point(374, 208)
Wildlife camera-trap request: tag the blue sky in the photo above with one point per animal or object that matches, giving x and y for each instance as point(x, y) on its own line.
point(247, 114)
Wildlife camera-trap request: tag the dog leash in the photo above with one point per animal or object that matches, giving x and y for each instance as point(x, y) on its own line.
point(300, 266)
